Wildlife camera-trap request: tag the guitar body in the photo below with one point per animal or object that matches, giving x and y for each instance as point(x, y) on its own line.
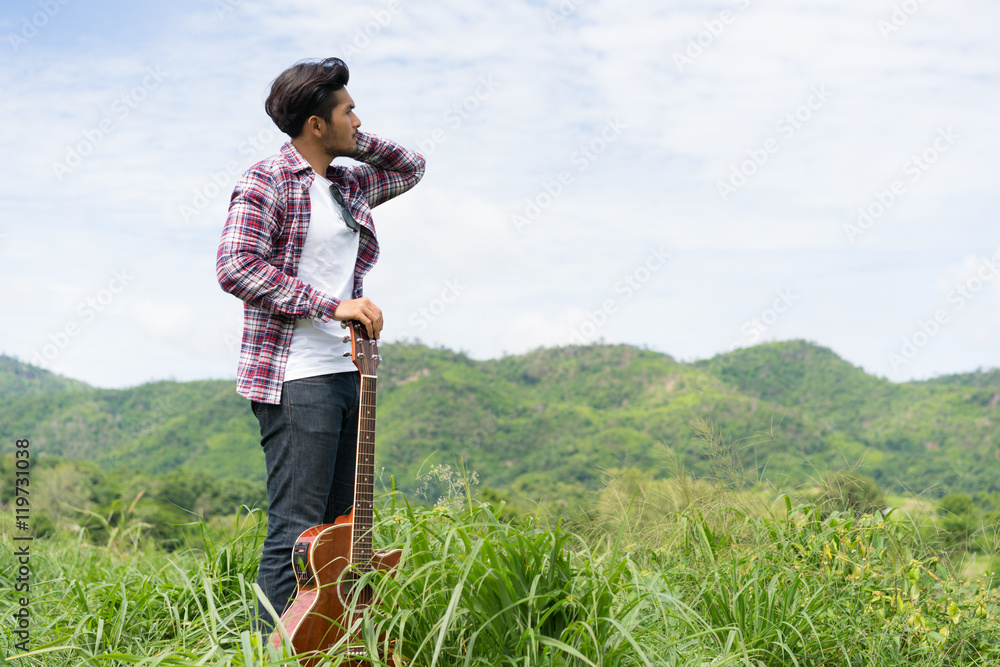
point(318, 616)
point(328, 558)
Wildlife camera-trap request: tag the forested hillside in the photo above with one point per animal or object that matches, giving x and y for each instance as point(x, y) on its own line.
point(548, 423)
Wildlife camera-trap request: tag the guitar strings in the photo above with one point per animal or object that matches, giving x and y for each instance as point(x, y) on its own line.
point(364, 483)
point(365, 469)
point(361, 547)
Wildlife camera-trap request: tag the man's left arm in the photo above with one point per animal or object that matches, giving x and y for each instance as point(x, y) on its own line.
point(389, 169)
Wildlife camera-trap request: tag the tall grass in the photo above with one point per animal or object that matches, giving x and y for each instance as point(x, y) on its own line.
point(476, 591)
point(704, 580)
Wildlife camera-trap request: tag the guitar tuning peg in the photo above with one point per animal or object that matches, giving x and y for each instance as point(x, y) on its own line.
point(347, 339)
point(371, 342)
point(347, 354)
point(361, 355)
point(343, 325)
point(379, 357)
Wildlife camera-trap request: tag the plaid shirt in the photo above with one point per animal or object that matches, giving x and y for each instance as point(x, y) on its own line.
point(258, 258)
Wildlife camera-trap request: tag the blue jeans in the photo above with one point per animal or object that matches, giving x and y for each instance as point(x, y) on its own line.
point(310, 445)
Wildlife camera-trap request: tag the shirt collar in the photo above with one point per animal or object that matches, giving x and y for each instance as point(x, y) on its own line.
point(298, 165)
point(295, 159)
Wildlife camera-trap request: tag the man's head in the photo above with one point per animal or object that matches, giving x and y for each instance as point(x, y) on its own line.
point(309, 102)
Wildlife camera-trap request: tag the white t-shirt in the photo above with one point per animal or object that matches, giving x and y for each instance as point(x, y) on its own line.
point(328, 258)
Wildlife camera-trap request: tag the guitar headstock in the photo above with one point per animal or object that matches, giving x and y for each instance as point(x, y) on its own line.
point(364, 349)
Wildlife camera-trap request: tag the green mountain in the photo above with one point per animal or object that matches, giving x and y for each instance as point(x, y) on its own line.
point(548, 423)
point(980, 378)
point(18, 379)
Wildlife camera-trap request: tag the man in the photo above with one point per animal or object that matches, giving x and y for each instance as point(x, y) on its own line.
point(296, 246)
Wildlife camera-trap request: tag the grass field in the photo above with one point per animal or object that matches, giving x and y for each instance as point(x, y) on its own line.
point(679, 574)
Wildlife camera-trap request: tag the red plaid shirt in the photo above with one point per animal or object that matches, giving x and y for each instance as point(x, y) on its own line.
point(258, 258)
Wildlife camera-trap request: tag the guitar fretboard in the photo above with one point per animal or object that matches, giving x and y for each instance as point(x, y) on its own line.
point(364, 475)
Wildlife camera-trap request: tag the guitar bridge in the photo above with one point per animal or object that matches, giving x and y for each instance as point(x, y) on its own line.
point(300, 563)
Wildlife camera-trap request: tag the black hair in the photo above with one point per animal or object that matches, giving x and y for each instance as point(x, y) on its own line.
point(305, 89)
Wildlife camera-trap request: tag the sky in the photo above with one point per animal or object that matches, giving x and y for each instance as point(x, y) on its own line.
point(689, 177)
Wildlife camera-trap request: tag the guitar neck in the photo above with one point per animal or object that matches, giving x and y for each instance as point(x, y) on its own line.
point(364, 474)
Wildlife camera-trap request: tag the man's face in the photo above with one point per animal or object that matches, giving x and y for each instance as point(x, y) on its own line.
point(341, 135)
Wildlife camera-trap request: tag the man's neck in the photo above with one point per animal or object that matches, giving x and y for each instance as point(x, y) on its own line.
point(317, 158)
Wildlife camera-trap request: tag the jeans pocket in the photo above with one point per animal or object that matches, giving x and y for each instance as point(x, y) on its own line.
point(315, 380)
point(355, 399)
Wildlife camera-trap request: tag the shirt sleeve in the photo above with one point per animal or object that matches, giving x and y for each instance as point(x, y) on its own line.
point(389, 168)
point(244, 261)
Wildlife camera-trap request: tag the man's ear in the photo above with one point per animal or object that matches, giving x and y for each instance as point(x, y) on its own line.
point(314, 125)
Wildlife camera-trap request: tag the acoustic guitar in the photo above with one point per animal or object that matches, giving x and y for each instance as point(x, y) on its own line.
point(329, 559)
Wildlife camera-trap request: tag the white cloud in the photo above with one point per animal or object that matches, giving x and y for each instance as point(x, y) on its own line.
point(164, 320)
point(557, 86)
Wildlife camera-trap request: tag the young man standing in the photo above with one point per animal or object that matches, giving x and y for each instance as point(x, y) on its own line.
point(296, 246)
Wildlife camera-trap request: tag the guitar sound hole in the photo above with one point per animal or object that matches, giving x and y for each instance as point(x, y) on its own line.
point(350, 595)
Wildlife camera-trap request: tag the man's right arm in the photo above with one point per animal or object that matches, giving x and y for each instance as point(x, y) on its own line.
point(243, 264)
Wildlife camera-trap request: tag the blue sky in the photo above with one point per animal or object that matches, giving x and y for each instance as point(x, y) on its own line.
point(686, 176)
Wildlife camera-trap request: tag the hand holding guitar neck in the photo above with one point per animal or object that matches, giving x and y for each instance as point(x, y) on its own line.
point(363, 311)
